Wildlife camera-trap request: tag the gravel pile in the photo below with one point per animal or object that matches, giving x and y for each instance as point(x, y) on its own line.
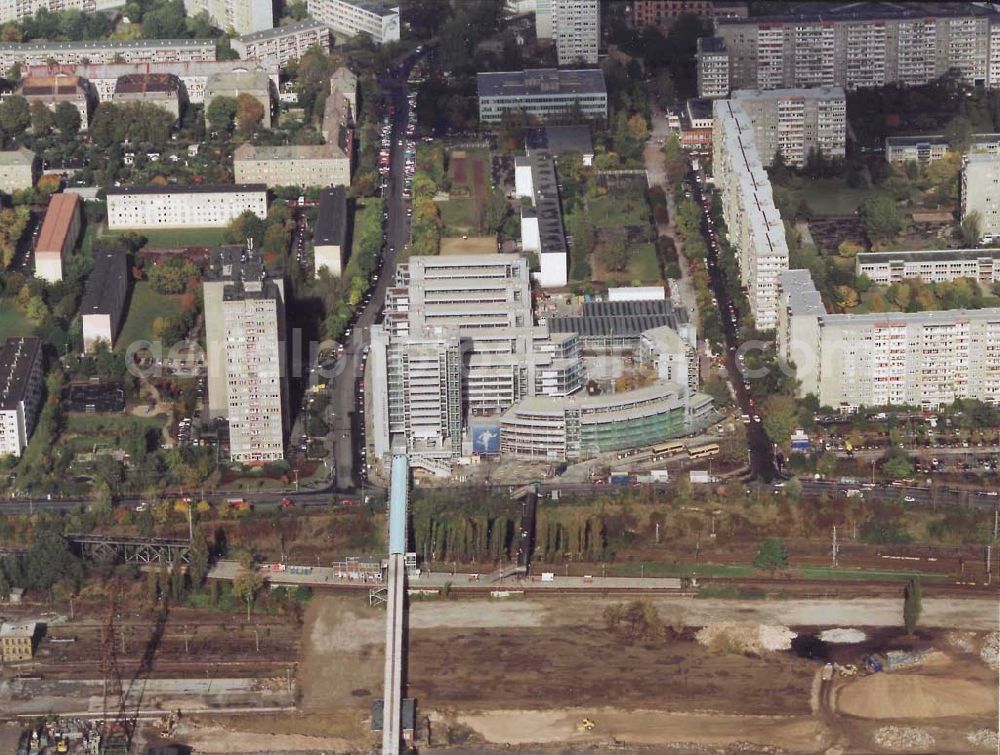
point(961, 640)
point(987, 739)
point(752, 639)
point(991, 650)
point(903, 738)
point(842, 636)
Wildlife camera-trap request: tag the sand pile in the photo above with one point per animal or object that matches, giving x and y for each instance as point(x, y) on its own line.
point(987, 739)
point(960, 639)
point(749, 639)
point(991, 649)
point(915, 696)
point(842, 636)
point(903, 738)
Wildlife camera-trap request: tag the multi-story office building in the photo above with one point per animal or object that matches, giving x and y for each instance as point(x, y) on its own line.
point(330, 235)
point(18, 168)
point(756, 230)
point(53, 90)
point(544, 94)
point(188, 206)
point(19, 10)
point(348, 18)
point(103, 77)
point(542, 224)
point(477, 307)
point(981, 191)
point(663, 13)
point(926, 359)
point(59, 234)
point(927, 149)
point(104, 51)
point(161, 89)
point(283, 44)
point(245, 336)
point(858, 45)
point(257, 84)
point(543, 19)
point(240, 16)
point(103, 306)
point(576, 28)
point(930, 265)
point(20, 392)
point(713, 68)
point(796, 122)
point(292, 165)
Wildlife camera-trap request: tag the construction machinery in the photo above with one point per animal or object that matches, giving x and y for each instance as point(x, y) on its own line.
point(585, 725)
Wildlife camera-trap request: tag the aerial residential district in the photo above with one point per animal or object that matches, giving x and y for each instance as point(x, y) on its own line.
point(480, 376)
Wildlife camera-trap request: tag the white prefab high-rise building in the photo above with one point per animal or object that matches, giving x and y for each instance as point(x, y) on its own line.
point(576, 28)
point(796, 122)
point(926, 359)
point(543, 19)
point(756, 229)
point(349, 18)
point(20, 392)
point(240, 16)
point(245, 336)
point(981, 190)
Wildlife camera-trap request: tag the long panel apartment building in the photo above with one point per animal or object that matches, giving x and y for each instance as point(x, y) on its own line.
point(245, 335)
point(183, 206)
point(926, 359)
point(981, 191)
point(927, 149)
point(283, 44)
point(19, 10)
point(930, 265)
point(858, 45)
point(348, 18)
point(102, 308)
point(756, 230)
point(543, 94)
point(20, 392)
point(106, 51)
point(796, 122)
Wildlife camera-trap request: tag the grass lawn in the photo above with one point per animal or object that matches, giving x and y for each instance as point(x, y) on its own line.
point(93, 424)
point(459, 214)
point(657, 569)
point(12, 320)
point(642, 264)
point(822, 572)
point(617, 210)
point(178, 237)
point(830, 196)
point(145, 307)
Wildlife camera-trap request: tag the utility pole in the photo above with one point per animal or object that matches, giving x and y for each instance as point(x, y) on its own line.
point(996, 515)
point(658, 533)
point(190, 523)
point(834, 549)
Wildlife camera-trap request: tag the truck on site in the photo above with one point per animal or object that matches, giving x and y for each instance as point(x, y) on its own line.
point(238, 504)
point(700, 477)
point(618, 478)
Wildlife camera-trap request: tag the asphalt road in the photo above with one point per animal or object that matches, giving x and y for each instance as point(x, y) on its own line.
point(761, 449)
point(346, 402)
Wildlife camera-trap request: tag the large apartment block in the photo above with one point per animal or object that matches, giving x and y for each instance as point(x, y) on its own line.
point(981, 190)
point(927, 149)
point(18, 168)
point(104, 77)
point(663, 13)
point(292, 165)
point(107, 51)
point(177, 206)
point(283, 44)
point(19, 10)
point(576, 28)
point(240, 16)
point(542, 223)
point(926, 359)
point(713, 68)
point(543, 94)
point(348, 18)
point(860, 45)
point(245, 336)
point(20, 392)
point(102, 308)
point(930, 265)
point(59, 234)
point(756, 230)
point(796, 122)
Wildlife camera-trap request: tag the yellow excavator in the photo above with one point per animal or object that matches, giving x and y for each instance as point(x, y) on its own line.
point(585, 725)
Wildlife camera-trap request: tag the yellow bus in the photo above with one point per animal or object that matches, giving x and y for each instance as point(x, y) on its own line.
point(698, 452)
point(668, 449)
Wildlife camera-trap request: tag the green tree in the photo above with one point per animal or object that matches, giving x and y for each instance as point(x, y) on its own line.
point(67, 119)
point(249, 113)
point(780, 417)
point(246, 226)
point(246, 586)
point(15, 115)
point(849, 249)
point(167, 21)
point(881, 217)
point(42, 120)
point(221, 113)
point(771, 554)
point(614, 256)
point(959, 133)
point(171, 275)
point(495, 211)
point(49, 562)
point(673, 153)
point(898, 466)
point(912, 604)
point(970, 229)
